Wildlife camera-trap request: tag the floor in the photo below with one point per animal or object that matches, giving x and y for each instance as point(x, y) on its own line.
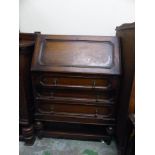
point(50, 146)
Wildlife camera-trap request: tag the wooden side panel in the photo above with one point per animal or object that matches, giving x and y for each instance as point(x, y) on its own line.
point(126, 34)
point(26, 48)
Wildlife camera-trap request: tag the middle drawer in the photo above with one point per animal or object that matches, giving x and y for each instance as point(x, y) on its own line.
point(76, 95)
point(59, 108)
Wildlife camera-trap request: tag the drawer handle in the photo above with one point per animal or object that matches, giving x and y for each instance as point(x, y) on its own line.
point(47, 112)
point(94, 84)
point(55, 82)
point(97, 115)
point(102, 87)
point(96, 112)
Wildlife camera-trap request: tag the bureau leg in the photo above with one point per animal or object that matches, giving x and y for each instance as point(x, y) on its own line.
point(110, 132)
point(39, 127)
point(28, 135)
point(108, 140)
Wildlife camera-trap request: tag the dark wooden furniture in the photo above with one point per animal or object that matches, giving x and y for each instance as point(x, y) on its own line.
point(126, 34)
point(132, 99)
point(130, 149)
point(76, 86)
point(26, 48)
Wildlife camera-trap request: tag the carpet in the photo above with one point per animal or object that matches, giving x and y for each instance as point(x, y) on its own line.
point(50, 146)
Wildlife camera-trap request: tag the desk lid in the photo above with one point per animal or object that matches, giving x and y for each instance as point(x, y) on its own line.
point(77, 54)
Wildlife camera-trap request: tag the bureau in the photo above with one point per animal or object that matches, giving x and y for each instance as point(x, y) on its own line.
point(76, 82)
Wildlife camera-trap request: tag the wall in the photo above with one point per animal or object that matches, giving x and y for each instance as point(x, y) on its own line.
point(78, 17)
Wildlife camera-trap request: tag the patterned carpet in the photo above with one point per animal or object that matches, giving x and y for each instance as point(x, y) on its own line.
point(50, 146)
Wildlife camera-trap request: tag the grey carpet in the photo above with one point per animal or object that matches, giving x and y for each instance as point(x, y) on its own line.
point(50, 146)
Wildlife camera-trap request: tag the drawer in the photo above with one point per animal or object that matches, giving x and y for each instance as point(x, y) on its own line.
point(48, 107)
point(78, 130)
point(74, 94)
point(48, 81)
point(74, 82)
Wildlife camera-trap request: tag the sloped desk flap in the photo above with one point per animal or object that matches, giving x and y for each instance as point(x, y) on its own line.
point(79, 54)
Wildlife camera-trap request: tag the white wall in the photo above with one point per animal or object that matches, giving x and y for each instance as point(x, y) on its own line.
point(77, 17)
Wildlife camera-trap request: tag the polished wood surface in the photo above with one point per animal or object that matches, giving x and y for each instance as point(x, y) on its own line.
point(130, 148)
point(80, 54)
point(76, 80)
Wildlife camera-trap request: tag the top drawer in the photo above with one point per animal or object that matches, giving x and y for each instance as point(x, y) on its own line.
point(75, 82)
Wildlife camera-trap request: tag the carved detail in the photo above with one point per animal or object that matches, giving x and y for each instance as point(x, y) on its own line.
point(108, 140)
point(28, 134)
point(46, 112)
point(110, 130)
point(39, 127)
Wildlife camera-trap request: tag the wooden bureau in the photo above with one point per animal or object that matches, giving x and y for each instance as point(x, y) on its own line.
point(75, 82)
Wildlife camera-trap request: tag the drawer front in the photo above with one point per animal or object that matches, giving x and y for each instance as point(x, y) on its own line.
point(71, 88)
point(75, 82)
point(48, 107)
point(95, 96)
point(50, 81)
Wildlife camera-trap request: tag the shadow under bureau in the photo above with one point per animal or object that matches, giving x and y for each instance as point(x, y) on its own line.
point(75, 81)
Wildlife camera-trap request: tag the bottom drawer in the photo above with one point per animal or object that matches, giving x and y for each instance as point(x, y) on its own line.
point(75, 131)
point(44, 107)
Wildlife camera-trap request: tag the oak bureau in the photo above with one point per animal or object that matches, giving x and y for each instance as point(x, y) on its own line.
point(75, 82)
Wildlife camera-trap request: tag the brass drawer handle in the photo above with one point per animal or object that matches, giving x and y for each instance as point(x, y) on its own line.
point(55, 81)
point(96, 112)
point(94, 84)
point(51, 108)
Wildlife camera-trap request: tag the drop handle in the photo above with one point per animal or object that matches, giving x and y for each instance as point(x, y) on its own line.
point(96, 112)
point(94, 84)
point(49, 110)
point(55, 82)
